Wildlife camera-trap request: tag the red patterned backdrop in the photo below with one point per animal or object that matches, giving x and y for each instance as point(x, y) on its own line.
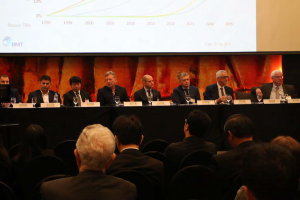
point(244, 71)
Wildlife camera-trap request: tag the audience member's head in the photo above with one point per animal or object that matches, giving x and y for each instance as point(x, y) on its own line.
point(128, 131)
point(270, 173)
point(4, 79)
point(291, 144)
point(197, 123)
point(238, 128)
point(33, 142)
point(95, 148)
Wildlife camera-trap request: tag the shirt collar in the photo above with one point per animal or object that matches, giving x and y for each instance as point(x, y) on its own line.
point(43, 93)
point(274, 86)
point(219, 86)
point(129, 148)
point(75, 92)
point(184, 88)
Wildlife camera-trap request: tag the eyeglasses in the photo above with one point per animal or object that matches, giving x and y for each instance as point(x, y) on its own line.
point(224, 77)
point(278, 77)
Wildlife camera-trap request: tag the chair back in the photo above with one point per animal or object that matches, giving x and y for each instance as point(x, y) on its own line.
point(196, 158)
point(35, 195)
point(145, 188)
point(155, 145)
point(6, 175)
point(156, 155)
point(243, 95)
point(13, 151)
point(65, 151)
point(6, 192)
point(37, 169)
point(193, 182)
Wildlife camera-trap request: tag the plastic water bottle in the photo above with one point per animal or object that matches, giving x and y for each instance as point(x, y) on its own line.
point(55, 100)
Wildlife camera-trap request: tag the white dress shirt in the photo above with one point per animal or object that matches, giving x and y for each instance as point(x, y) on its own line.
point(219, 89)
point(274, 90)
point(45, 97)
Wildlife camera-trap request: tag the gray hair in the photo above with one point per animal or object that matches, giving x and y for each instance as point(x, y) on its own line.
point(182, 74)
point(110, 72)
point(144, 79)
point(274, 72)
point(219, 73)
point(95, 146)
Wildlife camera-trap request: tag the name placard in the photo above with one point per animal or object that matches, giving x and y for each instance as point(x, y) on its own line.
point(133, 103)
point(90, 104)
point(271, 101)
point(50, 105)
point(242, 101)
point(293, 100)
point(206, 102)
point(22, 105)
point(160, 103)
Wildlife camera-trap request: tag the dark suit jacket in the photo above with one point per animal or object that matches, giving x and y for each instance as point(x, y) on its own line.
point(39, 96)
point(228, 165)
point(267, 88)
point(88, 185)
point(212, 93)
point(175, 152)
point(133, 159)
point(179, 95)
point(15, 93)
point(106, 98)
point(140, 95)
point(68, 97)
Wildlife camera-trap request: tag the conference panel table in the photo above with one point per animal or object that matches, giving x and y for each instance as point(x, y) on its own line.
point(159, 122)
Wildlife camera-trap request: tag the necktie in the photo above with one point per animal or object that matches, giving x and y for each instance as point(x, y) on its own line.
point(222, 92)
point(277, 92)
point(149, 94)
point(78, 97)
point(186, 91)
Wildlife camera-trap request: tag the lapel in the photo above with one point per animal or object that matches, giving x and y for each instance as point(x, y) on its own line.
point(40, 96)
point(216, 91)
point(269, 90)
point(144, 95)
point(285, 90)
point(227, 90)
point(51, 96)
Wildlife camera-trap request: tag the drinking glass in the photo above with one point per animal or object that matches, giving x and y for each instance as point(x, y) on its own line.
point(34, 101)
point(282, 98)
point(117, 100)
point(13, 100)
point(150, 98)
point(188, 98)
point(259, 97)
point(75, 101)
point(86, 100)
point(228, 98)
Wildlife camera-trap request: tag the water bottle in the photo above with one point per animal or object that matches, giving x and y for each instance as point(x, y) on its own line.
point(55, 100)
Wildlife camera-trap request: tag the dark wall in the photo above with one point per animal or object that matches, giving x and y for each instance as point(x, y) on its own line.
point(291, 70)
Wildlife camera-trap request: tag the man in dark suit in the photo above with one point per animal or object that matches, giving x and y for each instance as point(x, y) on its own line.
point(239, 131)
point(94, 152)
point(44, 95)
point(195, 128)
point(128, 134)
point(180, 92)
point(4, 79)
point(106, 95)
point(275, 89)
point(219, 90)
point(83, 96)
point(143, 94)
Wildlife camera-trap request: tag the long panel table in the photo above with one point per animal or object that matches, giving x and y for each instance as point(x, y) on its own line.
point(164, 122)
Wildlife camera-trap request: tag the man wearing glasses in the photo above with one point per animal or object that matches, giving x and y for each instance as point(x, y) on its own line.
point(219, 90)
point(275, 89)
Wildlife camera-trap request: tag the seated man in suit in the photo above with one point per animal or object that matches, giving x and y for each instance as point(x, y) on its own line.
point(275, 89)
point(4, 79)
point(239, 131)
point(106, 94)
point(142, 94)
point(195, 128)
point(75, 83)
point(270, 172)
point(128, 134)
point(184, 89)
point(219, 90)
point(94, 152)
point(44, 95)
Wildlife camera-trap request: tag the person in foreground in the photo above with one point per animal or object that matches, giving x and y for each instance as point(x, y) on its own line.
point(219, 90)
point(185, 88)
point(106, 95)
point(75, 83)
point(143, 94)
point(270, 173)
point(94, 152)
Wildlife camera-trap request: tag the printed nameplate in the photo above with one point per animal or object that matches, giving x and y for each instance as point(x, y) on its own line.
point(293, 100)
point(242, 101)
point(160, 103)
point(90, 104)
point(133, 103)
point(22, 105)
point(206, 102)
point(50, 105)
point(271, 101)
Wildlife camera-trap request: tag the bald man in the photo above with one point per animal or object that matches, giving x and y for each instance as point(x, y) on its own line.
point(142, 94)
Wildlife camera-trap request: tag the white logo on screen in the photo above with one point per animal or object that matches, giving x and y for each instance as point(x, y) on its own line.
point(7, 41)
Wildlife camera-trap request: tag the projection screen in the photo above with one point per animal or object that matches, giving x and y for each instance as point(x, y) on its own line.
point(149, 26)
